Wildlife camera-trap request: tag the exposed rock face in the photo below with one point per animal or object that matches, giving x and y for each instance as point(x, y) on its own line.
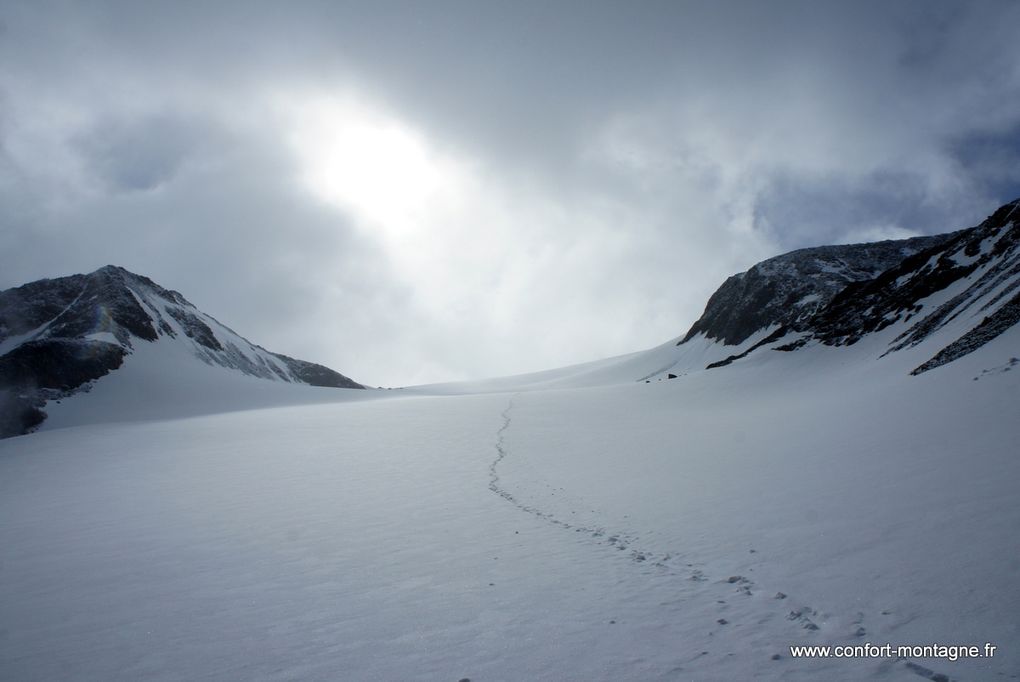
point(965, 282)
point(59, 335)
point(71, 307)
point(984, 261)
point(789, 289)
point(49, 368)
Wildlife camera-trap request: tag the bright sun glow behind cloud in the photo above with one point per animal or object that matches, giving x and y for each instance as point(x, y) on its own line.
point(469, 250)
point(367, 162)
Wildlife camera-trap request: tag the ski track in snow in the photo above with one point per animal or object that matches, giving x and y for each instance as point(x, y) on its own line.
point(667, 561)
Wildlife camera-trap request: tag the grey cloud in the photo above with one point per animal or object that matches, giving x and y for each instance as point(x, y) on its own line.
point(816, 212)
point(992, 158)
point(136, 155)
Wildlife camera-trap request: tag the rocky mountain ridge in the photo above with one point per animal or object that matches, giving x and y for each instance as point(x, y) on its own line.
point(963, 283)
point(789, 289)
point(59, 335)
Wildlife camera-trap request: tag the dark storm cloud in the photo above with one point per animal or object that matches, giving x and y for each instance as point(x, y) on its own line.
point(589, 151)
point(992, 158)
point(136, 155)
point(817, 212)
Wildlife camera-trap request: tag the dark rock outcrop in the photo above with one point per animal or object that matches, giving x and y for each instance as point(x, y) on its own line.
point(317, 375)
point(788, 290)
point(988, 254)
point(839, 295)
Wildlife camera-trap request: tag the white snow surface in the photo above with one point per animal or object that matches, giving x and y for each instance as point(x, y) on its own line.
point(105, 337)
point(180, 521)
point(164, 379)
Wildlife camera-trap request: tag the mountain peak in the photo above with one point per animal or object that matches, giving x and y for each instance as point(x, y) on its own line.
point(57, 336)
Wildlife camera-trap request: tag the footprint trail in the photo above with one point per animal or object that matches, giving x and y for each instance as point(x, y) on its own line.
point(669, 562)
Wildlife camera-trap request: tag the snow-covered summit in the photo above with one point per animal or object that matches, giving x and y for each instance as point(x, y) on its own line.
point(59, 335)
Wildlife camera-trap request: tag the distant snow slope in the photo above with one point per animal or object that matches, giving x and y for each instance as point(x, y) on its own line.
point(163, 380)
point(58, 337)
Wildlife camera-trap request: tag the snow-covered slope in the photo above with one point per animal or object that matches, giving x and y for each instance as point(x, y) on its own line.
point(968, 288)
point(57, 337)
point(688, 529)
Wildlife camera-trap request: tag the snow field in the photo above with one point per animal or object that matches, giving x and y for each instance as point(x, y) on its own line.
point(684, 529)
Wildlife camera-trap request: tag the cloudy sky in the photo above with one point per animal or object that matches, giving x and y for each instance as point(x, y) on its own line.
point(421, 191)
